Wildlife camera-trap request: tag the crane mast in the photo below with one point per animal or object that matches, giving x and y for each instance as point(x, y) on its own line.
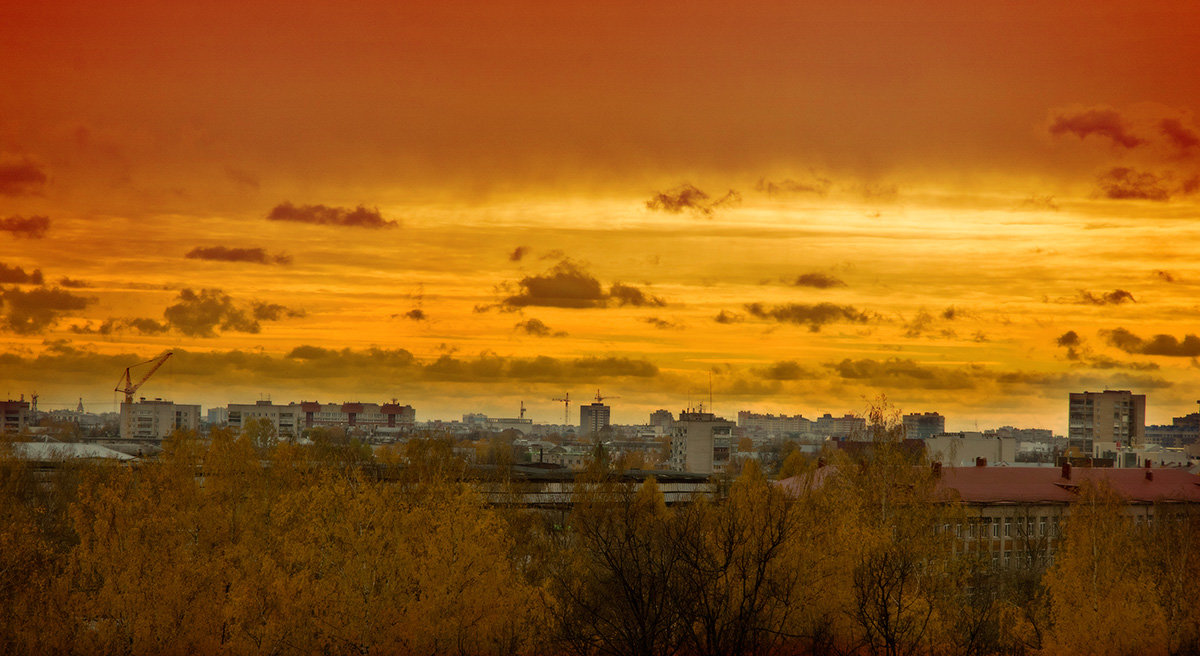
point(125, 383)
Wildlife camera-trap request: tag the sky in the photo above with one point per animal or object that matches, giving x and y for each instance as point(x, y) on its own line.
point(963, 207)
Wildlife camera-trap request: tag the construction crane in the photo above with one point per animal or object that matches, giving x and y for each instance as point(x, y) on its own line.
point(125, 382)
point(566, 401)
point(600, 399)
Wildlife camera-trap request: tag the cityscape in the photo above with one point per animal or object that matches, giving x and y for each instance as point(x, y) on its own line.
point(600, 328)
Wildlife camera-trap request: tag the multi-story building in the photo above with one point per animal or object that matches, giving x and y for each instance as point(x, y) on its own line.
point(217, 416)
point(156, 419)
point(1181, 432)
point(662, 418)
point(593, 417)
point(845, 427)
point(1104, 424)
point(284, 418)
point(924, 425)
point(292, 419)
point(769, 425)
point(14, 416)
point(702, 443)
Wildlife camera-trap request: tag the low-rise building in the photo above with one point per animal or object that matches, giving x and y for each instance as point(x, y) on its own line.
point(156, 419)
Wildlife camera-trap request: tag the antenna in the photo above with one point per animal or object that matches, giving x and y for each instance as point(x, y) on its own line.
point(710, 407)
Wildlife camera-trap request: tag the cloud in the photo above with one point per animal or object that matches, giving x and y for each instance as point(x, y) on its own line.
point(1164, 345)
point(1166, 276)
point(568, 285)
point(729, 317)
point(115, 325)
point(1035, 203)
point(1100, 121)
point(72, 283)
point(200, 314)
point(415, 314)
point(537, 328)
point(21, 178)
point(688, 197)
point(1178, 134)
point(518, 253)
point(37, 309)
point(817, 280)
point(33, 227)
point(359, 217)
point(225, 254)
point(629, 295)
point(786, 370)
point(1115, 297)
point(788, 187)
point(1080, 353)
point(662, 324)
point(814, 316)
point(242, 178)
point(1123, 183)
point(1069, 338)
point(18, 275)
point(905, 373)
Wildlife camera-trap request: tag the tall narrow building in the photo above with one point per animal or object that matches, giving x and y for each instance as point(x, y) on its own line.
point(1102, 424)
point(592, 418)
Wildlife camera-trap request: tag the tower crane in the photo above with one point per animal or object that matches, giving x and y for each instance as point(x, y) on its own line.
point(566, 401)
point(600, 399)
point(125, 382)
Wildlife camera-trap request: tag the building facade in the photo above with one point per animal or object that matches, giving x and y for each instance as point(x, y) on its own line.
point(14, 416)
point(292, 419)
point(1104, 424)
point(593, 417)
point(845, 427)
point(769, 426)
point(156, 419)
point(924, 425)
point(702, 443)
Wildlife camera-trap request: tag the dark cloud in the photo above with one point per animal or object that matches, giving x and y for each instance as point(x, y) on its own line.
point(72, 283)
point(1166, 276)
point(518, 253)
point(729, 317)
point(662, 324)
point(242, 178)
point(360, 217)
point(33, 311)
point(814, 316)
point(1035, 203)
point(21, 178)
point(1100, 121)
point(1123, 183)
point(881, 193)
point(904, 373)
point(273, 312)
point(817, 280)
point(688, 197)
point(785, 370)
point(623, 294)
point(1069, 338)
point(33, 227)
point(537, 328)
point(788, 187)
point(19, 275)
point(1165, 345)
point(1179, 134)
point(568, 285)
point(1115, 297)
point(225, 254)
point(116, 325)
point(415, 314)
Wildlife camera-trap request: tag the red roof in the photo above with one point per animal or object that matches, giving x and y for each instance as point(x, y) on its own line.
point(1047, 485)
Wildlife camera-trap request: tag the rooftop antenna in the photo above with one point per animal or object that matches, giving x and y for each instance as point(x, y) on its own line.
point(710, 405)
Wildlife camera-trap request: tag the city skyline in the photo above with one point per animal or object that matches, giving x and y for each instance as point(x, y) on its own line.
point(973, 211)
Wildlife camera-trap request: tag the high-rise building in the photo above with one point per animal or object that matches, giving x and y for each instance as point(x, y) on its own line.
point(844, 427)
point(1102, 424)
point(593, 417)
point(156, 419)
point(662, 418)
point(702, 443)
point(922, 426)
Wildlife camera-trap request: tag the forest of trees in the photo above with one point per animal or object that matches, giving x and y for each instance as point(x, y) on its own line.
point(237, 544)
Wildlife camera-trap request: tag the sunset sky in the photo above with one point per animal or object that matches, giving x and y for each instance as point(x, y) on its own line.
point(971, 208)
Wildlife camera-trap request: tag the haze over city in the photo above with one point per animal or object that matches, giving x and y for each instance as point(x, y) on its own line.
point(972, 209)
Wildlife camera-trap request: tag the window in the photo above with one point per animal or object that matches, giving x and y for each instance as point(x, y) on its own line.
point(1007, 527)
point(1042, 527)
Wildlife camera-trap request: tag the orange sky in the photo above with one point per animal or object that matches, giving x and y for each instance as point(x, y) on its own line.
point(972, 208)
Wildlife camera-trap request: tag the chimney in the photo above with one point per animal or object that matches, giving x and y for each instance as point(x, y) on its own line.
point(1148, 463)
point(1066, 473)
point(981, 462)
point(1149, 473)
point(937, 469)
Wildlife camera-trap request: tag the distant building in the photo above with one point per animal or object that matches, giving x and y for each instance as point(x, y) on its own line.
point(662, 418)
point(966, 448)
point(1021, 434)
point(702, 443)
point(292, 419)
point(217, 416)
point(156, 419)
point(14, 416)
point(848, 426)
point(498, 424)
point(593, 417)
point(1102, 424)
point(284, 418)
point(769, 425)
point(922, 426)
point(1181, 432)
